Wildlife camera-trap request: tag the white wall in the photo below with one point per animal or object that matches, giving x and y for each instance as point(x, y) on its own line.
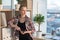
point(40, 6)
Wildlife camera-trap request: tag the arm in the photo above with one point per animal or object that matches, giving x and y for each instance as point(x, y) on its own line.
point(31, 27)
point(14, 26)
point(13, 23)
point(10, 23)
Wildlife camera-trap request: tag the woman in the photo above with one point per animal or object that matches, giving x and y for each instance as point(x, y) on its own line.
point(22, 25)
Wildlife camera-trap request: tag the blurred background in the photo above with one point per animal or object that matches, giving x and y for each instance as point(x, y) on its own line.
point(50, 9)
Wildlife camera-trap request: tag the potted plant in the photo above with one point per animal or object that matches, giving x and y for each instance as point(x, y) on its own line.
point(19, 1)
point(39, 19)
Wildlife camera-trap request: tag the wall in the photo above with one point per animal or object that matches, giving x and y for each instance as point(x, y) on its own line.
point(39, 6)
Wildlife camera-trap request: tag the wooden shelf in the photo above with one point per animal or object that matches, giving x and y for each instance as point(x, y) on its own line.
point(10, 10)
point(6, 10)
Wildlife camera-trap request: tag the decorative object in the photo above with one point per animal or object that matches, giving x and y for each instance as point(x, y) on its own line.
point(17, 6)
point(39, 34)
point(39, 19)
point(58, 31)
point(6, 34)
point(22, 2)
point(19, 1)
point(1, 6)
point(3, 20)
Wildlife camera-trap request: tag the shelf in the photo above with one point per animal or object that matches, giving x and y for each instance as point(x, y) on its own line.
point(11, 10)
point(6, 10)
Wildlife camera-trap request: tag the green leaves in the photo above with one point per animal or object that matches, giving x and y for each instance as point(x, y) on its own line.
point(0, 1)
point(19, 1)
point(39, 18)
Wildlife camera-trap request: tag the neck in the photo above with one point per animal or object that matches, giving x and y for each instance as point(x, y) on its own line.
point(22, 16)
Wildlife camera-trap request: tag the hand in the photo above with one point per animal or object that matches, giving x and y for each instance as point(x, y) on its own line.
point(27, 32)
point(17, 28)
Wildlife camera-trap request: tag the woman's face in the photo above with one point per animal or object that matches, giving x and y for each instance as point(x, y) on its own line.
point(23, 11)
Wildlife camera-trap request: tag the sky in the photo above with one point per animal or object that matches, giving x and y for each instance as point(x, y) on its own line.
point(8, 2)
point(52, 4)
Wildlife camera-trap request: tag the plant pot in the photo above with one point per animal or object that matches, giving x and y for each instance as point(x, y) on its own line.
point(34, 34)
point(17, 6)
point(39, 34)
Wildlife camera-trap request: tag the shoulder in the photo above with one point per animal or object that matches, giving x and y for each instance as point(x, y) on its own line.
point(27, 18)
point(12, 19)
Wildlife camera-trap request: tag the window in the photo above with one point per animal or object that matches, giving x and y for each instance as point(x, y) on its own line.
point(53, 15)
point(6, 4)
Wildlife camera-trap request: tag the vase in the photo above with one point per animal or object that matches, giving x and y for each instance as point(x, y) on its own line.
point(39, 34)
point(17, 6)
point(1, 6)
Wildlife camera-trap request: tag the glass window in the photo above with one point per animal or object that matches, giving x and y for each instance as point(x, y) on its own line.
point(6, 4)
point(53, 15)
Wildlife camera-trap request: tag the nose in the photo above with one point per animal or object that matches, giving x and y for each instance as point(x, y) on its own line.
point(24, 11)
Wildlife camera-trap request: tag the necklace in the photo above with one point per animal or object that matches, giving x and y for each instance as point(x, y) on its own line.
point(22, 20)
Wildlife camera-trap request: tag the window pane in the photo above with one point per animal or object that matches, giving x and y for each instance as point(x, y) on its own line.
point(53, 15)
point(6, 4)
